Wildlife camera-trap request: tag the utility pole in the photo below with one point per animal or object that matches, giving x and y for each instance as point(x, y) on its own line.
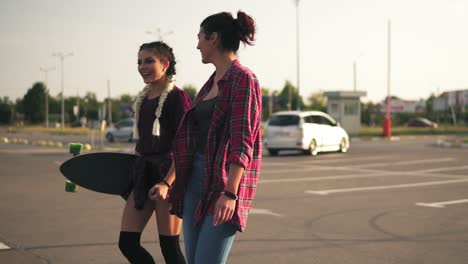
point(45, 71)
point(388, 117)
point(355, 78)
point(109, 104)
point(298, 78)
point(62, 56)
point(355, 72)
point(159, 35)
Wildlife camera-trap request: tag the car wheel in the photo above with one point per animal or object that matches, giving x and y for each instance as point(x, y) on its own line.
point(110, 137)
point(343, 146)
point(313, 149)
point(273, 152)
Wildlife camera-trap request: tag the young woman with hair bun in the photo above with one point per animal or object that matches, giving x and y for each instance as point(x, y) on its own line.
point(218, 149)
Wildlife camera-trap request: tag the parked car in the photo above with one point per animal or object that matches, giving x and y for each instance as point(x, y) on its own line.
point(421, 122)
point(122, 130)
point(311, 132)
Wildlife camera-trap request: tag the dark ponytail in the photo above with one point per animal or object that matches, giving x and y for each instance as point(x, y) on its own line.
point(247, 28)
point(162, 49)
point(232, 31)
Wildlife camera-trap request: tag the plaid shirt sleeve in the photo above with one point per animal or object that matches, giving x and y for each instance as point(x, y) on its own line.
point(245, 119)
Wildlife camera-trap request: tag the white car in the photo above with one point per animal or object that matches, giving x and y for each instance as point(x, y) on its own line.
point(122, 130)
point(311, 132)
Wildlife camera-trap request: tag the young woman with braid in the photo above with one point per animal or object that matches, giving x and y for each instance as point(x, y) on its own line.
point(218, 150)
point(159, 108)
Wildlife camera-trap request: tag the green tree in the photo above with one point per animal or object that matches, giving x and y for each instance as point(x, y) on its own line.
point(125, 106)
point(34, 103)
point(6, 110)
point(430, 104)
point(191, 90)
point(267, 103)
point(317, 101)
point(90, 106)
point(290, 91)
point(70, 103)
point(370, 114)
point(127, 98)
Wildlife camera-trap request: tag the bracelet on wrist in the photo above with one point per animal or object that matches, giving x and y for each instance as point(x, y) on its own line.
point(166, 183)
point(230, 195)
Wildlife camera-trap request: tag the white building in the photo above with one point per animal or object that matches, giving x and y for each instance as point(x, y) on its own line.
point(404, 106)
point(450, 99)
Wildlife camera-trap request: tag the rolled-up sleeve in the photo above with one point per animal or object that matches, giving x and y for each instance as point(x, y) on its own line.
point(245, 113)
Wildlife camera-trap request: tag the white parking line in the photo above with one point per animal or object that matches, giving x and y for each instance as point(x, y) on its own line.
point(442, 204)
point(350, 176)
point(442, 169)
point(264, 212)
point(404, 162)
point(363, 173)
point(3, 246)
point(343, 158)
point(385, 187)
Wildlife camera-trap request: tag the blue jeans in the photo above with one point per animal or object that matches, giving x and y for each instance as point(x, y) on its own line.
point(204, 243)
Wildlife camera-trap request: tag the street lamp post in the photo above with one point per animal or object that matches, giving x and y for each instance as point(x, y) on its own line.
point(46, 70)
point(298, 106)
point(355, 78)
point(159, 35)
point(62, 56)
point(355, 72)
point(387, 126)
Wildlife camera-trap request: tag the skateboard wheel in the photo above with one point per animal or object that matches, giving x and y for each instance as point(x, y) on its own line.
point(75, 148)
point(70, 187)
point(87, 146)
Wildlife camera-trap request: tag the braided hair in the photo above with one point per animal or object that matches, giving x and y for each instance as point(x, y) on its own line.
point(161, 49)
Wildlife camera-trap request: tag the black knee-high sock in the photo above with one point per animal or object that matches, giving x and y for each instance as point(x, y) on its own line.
point(129, 244)
point(170, 248)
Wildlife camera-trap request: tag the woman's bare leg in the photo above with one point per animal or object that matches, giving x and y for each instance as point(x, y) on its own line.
point(134, 220)
point(133, 223)
point(169, 227)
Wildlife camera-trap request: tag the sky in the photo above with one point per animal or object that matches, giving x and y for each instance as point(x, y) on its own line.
point(429, 44)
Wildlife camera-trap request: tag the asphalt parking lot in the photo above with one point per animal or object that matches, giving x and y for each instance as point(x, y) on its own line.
point(402, 201)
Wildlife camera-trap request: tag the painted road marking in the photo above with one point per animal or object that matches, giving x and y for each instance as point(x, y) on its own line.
point(442, 204)
point(264, 212)
point(363, 173)
point(346, 159)
point(385, 187)
point(442, 169)
point(404, 162)
point(350, 176)
point(3, 246)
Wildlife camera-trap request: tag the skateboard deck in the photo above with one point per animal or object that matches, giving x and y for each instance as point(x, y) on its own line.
point(105, 172)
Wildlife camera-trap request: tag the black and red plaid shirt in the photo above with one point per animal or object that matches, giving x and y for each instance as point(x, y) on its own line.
point(233, 137)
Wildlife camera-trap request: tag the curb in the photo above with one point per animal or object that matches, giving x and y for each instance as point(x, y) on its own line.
point(56, 144)
point(42, 143)
point(450, 144)
point(358, 139)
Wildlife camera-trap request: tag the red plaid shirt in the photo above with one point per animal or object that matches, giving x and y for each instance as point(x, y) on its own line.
point(233, 136)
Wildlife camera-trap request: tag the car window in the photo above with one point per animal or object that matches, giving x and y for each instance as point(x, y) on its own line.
point(284, 120)
point(127, 123)
point(325, 121)
point(312, 119)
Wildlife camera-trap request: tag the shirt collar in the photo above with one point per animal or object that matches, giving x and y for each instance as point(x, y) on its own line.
point(230, 71)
